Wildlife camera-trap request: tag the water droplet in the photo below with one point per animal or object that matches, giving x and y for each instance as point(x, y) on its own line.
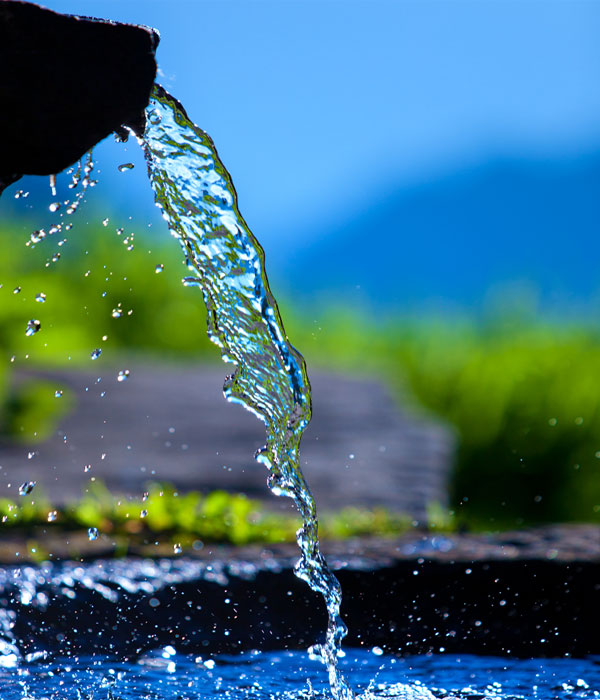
point(58, 393)
point(145, 496)
point(52, 515)
point(105, 221)
point(53, 185)
point(92, 533)
point(30, 455)
point(55, 206)
point(33, 326)
point(37, 236)
point(159, 268)
point(117, 312)
point(17, 290)
point(26, 487)
point(143, 514)
point(125, 166)
point(123, 375)
point(177, 548)
point(95, 354)
point(41, 297)
point(87, 468)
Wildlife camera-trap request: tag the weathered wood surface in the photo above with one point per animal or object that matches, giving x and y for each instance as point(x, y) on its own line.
point(173, 424)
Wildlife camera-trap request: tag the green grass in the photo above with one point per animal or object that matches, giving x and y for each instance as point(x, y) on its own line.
point(215, 517)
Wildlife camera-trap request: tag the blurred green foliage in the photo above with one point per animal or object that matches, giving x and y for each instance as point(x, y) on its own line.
point(99, 287)
point(102, 292)
point(217, 516)
point(522, 395)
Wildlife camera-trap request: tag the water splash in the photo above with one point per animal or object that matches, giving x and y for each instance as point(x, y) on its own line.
point(33, 327)
point(26, 488)
point(199, 203)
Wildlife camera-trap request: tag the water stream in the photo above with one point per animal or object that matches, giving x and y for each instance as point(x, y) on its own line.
point(51, 650)
point(199, 203)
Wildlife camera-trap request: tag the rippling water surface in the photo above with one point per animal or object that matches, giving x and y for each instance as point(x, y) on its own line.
point(165, 675)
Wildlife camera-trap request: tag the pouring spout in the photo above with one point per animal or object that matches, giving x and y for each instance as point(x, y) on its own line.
point(67, 82)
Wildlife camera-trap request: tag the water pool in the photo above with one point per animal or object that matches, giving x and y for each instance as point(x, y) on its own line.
point(166, 675)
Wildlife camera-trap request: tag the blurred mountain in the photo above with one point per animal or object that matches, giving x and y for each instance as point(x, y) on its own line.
point(451, 239)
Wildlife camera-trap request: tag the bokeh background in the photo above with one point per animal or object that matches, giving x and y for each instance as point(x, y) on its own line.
point(424, 179)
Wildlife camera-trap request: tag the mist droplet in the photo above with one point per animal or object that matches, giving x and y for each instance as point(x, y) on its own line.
point(92, 533)
point(41, 297)
point(95, 354)
point(177, 548)
point(123, 375)
point(37, 236)
point(33, 326)
point(52, 515)
point(26, 487)
point(125, 166)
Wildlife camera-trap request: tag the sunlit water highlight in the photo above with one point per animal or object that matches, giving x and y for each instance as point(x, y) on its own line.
point(199, 203)
point(166, 675)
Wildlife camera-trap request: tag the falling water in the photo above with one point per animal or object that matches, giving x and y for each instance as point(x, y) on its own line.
point(198, 200)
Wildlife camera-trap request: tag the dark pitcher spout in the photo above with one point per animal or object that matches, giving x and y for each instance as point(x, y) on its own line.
point(67, 82)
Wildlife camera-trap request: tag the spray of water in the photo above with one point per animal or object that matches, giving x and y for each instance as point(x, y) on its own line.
point(199, 203)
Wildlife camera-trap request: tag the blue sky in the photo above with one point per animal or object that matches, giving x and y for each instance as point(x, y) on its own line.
point(320, 104)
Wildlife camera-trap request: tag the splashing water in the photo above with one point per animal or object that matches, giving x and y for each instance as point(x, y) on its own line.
point(199, 202)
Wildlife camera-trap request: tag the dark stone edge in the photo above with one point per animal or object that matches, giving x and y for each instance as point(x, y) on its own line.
point(511, 607)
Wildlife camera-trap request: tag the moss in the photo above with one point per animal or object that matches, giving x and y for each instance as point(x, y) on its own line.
point(164, 514)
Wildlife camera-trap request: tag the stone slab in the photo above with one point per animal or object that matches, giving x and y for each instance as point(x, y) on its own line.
point(172, 424)
point(526, 602)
